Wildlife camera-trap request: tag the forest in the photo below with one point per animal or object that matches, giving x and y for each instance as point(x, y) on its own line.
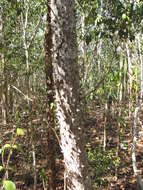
point(71, 95)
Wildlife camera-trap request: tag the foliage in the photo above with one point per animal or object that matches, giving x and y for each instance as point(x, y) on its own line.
point(9, 185)
point(19, 132)
point(9, 148)
point(109, 18)
point(109, 26)
point(101, 163)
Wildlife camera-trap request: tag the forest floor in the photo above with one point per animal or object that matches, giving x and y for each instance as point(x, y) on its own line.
point(106, 176)
point(122, 176)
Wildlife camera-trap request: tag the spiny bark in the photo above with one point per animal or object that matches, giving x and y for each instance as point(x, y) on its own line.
point(50, 101)
point(66, 80)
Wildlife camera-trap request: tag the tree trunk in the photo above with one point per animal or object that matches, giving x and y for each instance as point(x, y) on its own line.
point(50, 101)
point(67, 89)
point(4, 93)
point(24, 21)
point(141, 65)
point(129, 77)
point(135, 56)
point(134, 163)
point(121, 78)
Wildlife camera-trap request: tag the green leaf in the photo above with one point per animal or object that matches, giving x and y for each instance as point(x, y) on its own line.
point(20, 132)
point(52, 105)
point(1, 168)
point(14, 146)
point(9, 185)
point(7, 146)
point(124, 16)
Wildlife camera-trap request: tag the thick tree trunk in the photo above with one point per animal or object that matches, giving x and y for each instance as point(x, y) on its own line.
point(66, 80)
point(50, 101)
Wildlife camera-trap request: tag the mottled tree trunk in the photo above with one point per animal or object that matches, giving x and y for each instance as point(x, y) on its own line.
point(50, 100)
point(66, 80)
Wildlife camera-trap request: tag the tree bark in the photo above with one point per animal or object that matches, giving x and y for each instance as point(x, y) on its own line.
point(50, 101)
point(67, 89)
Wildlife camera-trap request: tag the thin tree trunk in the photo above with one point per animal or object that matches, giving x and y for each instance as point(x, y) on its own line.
point(139, 180)
point(67, 88)
point(11, 101)
point(26, 49)
point(99, 45)
point(121, 77)
point(4, 84)
point(136, 73)
point(84, 65)
point(34, 164)
point(120, 106)
point(27, 45)
point(141, 66)
point(129, 77)
point(104, 129)
point(124, 79)
point(99, 51)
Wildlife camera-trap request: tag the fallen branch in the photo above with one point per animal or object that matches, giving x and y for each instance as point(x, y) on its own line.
point(20, 92)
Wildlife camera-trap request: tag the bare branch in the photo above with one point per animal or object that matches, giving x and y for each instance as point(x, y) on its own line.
point(20, 92)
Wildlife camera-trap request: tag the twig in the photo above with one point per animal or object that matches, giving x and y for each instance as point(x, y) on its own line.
point(25, 96)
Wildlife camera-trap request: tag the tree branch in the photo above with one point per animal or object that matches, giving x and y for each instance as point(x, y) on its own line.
point(20, 92)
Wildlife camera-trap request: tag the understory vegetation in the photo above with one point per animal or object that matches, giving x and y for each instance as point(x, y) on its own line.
point(110, 64)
